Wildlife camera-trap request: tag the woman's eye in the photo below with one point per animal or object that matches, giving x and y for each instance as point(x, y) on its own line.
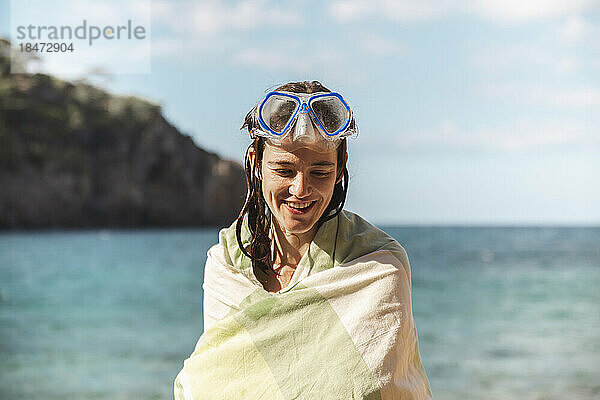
point(321, 174)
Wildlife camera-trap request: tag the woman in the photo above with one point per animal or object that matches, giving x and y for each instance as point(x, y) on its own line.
point(303, 300)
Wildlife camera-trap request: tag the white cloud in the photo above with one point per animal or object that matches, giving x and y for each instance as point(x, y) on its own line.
point(518, 10)
point(349, 10)
point(219, 32)
point(73, 12)
point(212, 30)
point(577, 30)
point(321, 63)
point(569, 46)
point(501, 11)
point(210, 17)
point(540, 56)
point(397, 10)
point(560, 98)
point(574, 29)
point(520, 135)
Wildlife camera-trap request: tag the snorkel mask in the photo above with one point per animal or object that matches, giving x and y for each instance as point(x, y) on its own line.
point(317, 120)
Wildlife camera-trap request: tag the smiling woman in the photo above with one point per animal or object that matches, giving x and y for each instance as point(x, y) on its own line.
point(297, 187)
point(302, 299)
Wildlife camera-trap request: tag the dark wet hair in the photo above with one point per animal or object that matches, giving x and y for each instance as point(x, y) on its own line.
point(259, 215)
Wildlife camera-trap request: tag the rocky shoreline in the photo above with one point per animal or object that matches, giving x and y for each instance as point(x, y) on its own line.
point(75, 156)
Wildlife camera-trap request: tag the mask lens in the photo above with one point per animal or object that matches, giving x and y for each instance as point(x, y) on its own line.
point(331, 112)
point(277, 111)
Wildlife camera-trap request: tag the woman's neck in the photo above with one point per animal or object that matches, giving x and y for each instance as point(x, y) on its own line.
point(289, 247)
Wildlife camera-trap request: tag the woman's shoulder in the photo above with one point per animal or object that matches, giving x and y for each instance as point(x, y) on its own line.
point(228, 246)
point(356, 237)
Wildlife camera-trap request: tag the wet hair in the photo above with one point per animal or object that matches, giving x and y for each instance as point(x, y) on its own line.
point(259, 215)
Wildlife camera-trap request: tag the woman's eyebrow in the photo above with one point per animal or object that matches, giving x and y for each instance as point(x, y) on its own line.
point(281, 163)
point(291, 164)
point(323, 164)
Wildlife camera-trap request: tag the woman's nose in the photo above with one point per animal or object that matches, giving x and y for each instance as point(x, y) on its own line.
point(300, 186)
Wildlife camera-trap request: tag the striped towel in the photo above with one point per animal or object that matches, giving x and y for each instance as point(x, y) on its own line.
point(342, 329)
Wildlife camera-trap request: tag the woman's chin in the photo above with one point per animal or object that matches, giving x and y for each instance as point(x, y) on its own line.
point(298, 227)
point(297, 224)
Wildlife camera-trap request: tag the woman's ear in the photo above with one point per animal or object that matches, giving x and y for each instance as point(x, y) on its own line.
point(341, 173)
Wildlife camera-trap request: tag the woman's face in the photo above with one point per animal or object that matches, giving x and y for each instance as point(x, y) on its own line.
point(297, 185)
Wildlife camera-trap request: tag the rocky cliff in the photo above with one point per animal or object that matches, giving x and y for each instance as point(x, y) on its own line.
point(72, 155)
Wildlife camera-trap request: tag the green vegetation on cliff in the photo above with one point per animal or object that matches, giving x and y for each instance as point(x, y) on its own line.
point(73, 155)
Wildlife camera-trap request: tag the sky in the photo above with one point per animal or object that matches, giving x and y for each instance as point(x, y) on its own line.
point(469, 113)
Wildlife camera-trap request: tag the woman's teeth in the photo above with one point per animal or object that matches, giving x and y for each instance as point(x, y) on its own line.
point(299, 206)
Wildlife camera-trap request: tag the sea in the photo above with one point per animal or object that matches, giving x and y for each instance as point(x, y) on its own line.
point(507, 313)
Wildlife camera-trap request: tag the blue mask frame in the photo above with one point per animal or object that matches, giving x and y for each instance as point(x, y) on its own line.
point(303, 106)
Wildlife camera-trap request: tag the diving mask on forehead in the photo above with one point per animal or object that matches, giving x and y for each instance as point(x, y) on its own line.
point(316, 119)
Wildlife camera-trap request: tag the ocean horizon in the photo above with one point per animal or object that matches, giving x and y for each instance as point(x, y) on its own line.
point(502, 312)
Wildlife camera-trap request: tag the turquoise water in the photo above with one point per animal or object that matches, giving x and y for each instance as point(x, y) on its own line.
point(502, 313)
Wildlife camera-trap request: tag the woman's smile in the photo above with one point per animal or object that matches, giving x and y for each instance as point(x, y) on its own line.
point(299, 208)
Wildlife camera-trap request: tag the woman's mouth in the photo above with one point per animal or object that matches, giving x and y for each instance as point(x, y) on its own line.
point(299, 207)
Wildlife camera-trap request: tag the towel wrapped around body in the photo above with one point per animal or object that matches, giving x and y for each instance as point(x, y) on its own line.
point(342, 329)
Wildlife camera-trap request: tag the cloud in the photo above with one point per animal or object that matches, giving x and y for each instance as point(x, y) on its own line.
point(500, 11)
point(73, 12)
point(576, 30)
point(560, 98)
point(506, 11)
point(288, 56)
point(541, 56)
point(518, 136)
point(346, 11)
point(223, 33)
point(211, 17)
point(566, 47)
point(209, 30)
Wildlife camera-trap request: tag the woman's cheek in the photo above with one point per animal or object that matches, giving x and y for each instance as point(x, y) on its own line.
point(326, 185)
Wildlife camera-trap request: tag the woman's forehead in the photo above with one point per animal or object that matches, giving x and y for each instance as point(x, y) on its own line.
point(298, 155)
